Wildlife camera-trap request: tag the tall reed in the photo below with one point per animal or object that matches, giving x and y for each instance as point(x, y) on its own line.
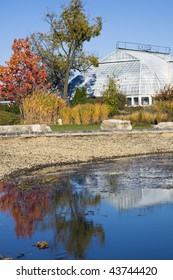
point(104, 112)
point(76, 115)
point(86, 113)
point(96, 116)
point(42, 107)
point(66, 115)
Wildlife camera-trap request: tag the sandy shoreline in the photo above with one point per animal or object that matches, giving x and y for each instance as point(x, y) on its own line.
point(20, 154)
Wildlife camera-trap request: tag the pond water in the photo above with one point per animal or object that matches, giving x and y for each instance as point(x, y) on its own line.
point(117, 210)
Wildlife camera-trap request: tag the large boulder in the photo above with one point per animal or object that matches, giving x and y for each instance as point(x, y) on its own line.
point(25, 129)
point(164, 126)
point(113, 124)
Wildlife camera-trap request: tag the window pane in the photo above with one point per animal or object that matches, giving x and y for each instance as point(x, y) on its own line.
point(145, 100)
point(129, 101)
point(136, 101)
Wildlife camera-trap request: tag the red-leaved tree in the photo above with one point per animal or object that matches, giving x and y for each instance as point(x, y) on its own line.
point(23, 73)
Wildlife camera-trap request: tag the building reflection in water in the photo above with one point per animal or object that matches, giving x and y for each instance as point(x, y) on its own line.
point(135, 183)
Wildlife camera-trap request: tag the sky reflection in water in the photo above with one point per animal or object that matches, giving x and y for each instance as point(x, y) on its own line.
point(116, 210)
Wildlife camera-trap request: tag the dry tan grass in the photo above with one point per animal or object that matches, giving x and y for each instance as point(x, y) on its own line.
point(42, 107)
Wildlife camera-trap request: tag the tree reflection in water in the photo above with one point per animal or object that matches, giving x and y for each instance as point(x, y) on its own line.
point(52, 203)
point(70, 222)
point(25, 204)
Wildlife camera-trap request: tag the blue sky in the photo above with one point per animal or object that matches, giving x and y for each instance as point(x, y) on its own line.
point(141, 21)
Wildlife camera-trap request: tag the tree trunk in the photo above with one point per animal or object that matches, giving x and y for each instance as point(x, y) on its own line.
point(67, 74)
point(65, 90)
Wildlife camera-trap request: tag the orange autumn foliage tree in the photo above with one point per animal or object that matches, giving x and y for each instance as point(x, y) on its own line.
point(23, 73)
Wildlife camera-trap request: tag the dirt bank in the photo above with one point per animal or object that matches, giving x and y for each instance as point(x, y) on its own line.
point(23, 153)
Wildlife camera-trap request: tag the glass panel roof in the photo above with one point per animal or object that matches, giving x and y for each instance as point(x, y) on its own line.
point(136, 72)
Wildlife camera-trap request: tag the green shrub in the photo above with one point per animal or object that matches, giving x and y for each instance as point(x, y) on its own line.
point(7, 118)
point(12, 108)
point(110, 95)
point(80, 96)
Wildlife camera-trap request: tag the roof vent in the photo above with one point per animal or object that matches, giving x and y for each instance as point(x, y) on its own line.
point(143, 47)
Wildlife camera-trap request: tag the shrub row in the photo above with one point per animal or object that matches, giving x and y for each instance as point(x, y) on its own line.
point(47, 108)
point(85, 114)
point(42, 107)
point(144, 117)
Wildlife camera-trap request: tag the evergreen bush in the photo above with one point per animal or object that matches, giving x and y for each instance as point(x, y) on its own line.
point(110, 95)
point(80, 96)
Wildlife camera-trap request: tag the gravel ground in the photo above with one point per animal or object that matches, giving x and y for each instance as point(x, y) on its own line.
point(21, 154)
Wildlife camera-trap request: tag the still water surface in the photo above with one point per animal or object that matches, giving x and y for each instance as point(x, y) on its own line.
point(116, 210)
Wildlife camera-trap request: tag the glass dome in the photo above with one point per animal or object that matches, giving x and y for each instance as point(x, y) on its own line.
point(139, 73)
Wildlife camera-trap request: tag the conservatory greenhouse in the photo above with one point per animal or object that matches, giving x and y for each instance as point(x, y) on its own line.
point(139, 70)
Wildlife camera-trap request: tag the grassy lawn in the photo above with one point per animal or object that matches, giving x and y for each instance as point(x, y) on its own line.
point(142, 126)
point(75, 127)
